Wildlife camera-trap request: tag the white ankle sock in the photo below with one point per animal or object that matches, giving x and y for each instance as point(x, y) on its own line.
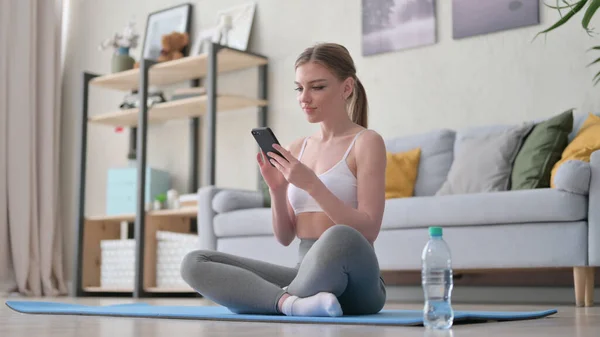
point(321, 304)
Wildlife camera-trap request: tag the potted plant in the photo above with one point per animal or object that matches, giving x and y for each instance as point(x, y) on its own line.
point(122, 44)
point(159, 201)
point(589, 8)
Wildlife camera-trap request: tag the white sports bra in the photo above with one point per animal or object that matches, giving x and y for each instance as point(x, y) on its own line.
point(338, 179)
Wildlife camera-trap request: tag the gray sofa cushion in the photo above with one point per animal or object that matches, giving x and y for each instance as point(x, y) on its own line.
point(436, 157)
point(573, 176)
point(245, 222)
point(538, 205)
point(229, 200)
point(479, 131)
point(519, 245)
point(483, 161)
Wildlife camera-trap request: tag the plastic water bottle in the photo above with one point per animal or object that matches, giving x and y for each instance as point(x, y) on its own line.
point(436, 278)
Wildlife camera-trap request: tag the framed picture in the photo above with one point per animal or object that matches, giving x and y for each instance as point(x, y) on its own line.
point(393, 25)
point(241, 17)
point(477, 17)
point(159, 23)
point(232, 29)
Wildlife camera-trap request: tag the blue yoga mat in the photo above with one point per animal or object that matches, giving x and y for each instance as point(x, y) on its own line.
point(384, 317)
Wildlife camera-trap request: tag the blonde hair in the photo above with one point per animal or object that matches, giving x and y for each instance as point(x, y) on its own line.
point(337, 59)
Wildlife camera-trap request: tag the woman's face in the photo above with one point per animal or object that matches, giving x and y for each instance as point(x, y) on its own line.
point(319, 91)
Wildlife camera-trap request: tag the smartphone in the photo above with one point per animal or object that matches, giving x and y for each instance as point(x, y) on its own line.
point(265, 138)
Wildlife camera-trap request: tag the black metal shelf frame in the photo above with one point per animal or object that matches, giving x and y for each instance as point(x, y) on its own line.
point(141, 149)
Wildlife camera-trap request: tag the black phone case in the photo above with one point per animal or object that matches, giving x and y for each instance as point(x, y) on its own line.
point(265, 138)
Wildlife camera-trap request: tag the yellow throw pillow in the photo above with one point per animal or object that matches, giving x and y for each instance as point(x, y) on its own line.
point(585, 142)
point(401, 173)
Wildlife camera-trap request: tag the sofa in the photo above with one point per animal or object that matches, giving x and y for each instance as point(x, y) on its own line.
point(497, 228)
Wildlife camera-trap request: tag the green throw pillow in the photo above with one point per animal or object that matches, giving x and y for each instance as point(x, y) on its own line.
point(540, 151)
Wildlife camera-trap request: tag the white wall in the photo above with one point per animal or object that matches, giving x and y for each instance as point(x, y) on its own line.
point(496, 78)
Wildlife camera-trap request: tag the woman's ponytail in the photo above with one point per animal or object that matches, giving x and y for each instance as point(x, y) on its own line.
point(359, 105)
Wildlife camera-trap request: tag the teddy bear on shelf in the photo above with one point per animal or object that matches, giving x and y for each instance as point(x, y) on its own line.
point(172, 46)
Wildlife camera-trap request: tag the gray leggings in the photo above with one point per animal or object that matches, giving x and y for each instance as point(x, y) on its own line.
point(341, 262)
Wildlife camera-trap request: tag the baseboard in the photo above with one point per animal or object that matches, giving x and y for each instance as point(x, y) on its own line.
point(493, 295)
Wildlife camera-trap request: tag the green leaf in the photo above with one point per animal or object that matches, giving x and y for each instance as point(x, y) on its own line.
point(598, 80)
point(594, 48)
point(595, 61)
point(589, 13)
point(561, 7)
point(576, 8)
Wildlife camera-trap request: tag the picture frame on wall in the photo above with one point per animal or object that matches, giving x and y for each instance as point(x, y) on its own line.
point(395, 25)
point(165, 21)
point(475, 17)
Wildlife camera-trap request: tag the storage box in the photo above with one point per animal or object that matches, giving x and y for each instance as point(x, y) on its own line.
point(171, 249)
point(121, 188)
point(117, 263)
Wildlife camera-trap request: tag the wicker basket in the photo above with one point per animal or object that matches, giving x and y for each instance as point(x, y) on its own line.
point(117, 268)
point(171, 249)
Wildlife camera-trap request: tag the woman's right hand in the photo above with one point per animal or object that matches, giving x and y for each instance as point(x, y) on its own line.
point(272, 176)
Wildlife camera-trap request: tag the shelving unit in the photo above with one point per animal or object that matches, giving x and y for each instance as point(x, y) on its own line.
point(92, 229)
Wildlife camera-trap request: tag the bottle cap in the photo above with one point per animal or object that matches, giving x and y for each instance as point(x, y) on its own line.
point(435, 231)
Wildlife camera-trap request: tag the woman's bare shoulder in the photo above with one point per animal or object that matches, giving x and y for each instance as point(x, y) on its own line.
point(370, 138)
point(370, 145)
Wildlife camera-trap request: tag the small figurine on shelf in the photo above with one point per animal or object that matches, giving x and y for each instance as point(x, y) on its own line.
point(172, 199)
point(132, 100)
point(225, 25)
point(122, 43)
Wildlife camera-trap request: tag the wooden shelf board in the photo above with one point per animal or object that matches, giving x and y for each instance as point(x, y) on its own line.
point(169, 290)
point(180, 70)
point(101, 290)
point(183, 212)
point(189, 212)
point(116, 218)
point(177, 109)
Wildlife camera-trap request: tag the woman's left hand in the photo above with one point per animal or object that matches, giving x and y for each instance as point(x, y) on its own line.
point(292, 169)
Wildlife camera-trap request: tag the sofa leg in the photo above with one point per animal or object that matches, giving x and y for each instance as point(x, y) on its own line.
point(584, 286)
point(589, 287)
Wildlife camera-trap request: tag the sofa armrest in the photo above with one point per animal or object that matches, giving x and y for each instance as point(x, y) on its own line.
point(228, 200)
point(573, 176)
point(594, 211)
point(206, 231)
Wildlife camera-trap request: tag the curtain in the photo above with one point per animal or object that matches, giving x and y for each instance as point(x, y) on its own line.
point(30, 82)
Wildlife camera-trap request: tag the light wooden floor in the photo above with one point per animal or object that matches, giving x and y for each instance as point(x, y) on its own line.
point(570, 321)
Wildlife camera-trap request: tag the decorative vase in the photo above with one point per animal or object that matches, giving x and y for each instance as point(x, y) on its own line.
point(121, 60)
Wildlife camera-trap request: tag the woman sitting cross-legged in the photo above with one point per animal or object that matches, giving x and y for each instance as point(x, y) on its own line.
point(327, 189)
